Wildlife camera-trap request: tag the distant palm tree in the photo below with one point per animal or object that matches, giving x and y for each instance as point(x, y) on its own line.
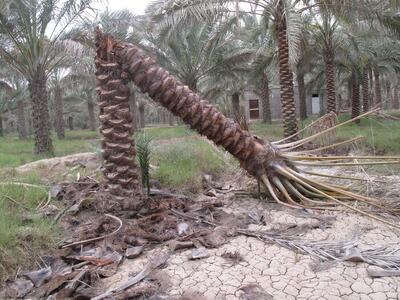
point(31, 41)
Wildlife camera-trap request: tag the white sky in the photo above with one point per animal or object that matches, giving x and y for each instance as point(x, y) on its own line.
point(135, 6)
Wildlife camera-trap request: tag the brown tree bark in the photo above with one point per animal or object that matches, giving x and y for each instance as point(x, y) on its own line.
point(265, 100)
point(330, 80)
point(71, 123)
point(133, 107)
point(378, 92)
point(120, 170)
point(40, 114)
point(365, 92)
point(285, 75)
point(396, 100)
point(92, 116)
point(235, 99)
point(59, 113)
point(21, 122)
point(255, 155)
point(371, 87)
point(142, 121)
point(302, 95)
point(1, 126)
point(355, 99)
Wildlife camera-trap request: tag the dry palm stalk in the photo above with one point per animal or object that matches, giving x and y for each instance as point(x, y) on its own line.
point(116, 129)
point(271, 163)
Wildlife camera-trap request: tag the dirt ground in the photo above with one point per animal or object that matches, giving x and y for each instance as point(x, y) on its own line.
point(245, 267)
point(268, 271)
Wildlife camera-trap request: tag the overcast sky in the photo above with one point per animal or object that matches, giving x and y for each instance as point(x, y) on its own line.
point(135, 6)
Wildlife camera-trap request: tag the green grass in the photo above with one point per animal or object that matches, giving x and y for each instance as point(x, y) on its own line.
point(380, 136)
point(23, 233)
point(15, 152)
point(163, 133)
point(182, 164)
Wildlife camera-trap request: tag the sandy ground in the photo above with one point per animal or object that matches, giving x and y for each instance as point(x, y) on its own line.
point(280, 272)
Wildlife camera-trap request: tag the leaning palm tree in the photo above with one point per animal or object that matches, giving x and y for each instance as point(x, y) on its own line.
point(274, 164)
point(31, 42)
point(286, 23)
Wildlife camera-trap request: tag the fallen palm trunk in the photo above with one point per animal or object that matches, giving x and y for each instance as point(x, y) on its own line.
point(271, 163)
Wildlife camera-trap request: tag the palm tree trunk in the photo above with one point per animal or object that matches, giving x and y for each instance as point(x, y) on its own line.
point(254, 154)
point(378, 93)
point(40, 114)
point(330, 80)
point(142, 121)
point(371, 87)
point(1, 126)
point(266, 105)
point(21, 122)
point(396, 100)
point(365, 92)
point(302, 95)
point(120, 170)
point(355, 99)
point(133, 107)
point(235, 104)
point(171, 120)
point(59, 121)
point(92, 117)
point(71, 123)
point(285, 76)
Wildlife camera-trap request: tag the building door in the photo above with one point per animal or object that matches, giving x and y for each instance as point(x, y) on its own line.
point(315, 104)
point(254, 109)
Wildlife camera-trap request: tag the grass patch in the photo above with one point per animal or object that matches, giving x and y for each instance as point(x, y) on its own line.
point(162, 133)
point(23, 233)
point(380, 136)
point(182, 164)
point(15, 152)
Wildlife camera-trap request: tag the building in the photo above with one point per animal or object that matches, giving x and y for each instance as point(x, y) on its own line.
point(253, 104)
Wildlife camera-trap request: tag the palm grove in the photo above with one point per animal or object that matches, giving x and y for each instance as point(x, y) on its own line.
point(348, 49)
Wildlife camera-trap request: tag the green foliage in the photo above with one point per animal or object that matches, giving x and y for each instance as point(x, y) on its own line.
point(23, 232)
point(182, 164)
point(143, 154)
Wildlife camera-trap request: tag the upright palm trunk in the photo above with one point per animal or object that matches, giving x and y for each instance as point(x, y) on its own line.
point(371, 87)
point(396, 100)
point(133, 106)
point(21, 122)
point(365, 93)
point(302, 95)
point(1, 126)
point(330, 80)
point(59, 114)
point(355, 99)
point(285, 76)
point(266, 105)
point(142, 121)
point(115, 117)
point(235, 104)
point(71, 123)
point(378, 92)
point(92, 117)
point(40, 114)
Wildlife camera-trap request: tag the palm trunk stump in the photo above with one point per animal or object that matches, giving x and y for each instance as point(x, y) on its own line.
point(279, 169)
point(116, 128)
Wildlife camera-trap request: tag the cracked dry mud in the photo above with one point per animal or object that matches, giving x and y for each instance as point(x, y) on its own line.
point(280, 272)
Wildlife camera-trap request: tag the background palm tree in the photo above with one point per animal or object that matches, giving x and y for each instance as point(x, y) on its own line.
point(27, 46)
